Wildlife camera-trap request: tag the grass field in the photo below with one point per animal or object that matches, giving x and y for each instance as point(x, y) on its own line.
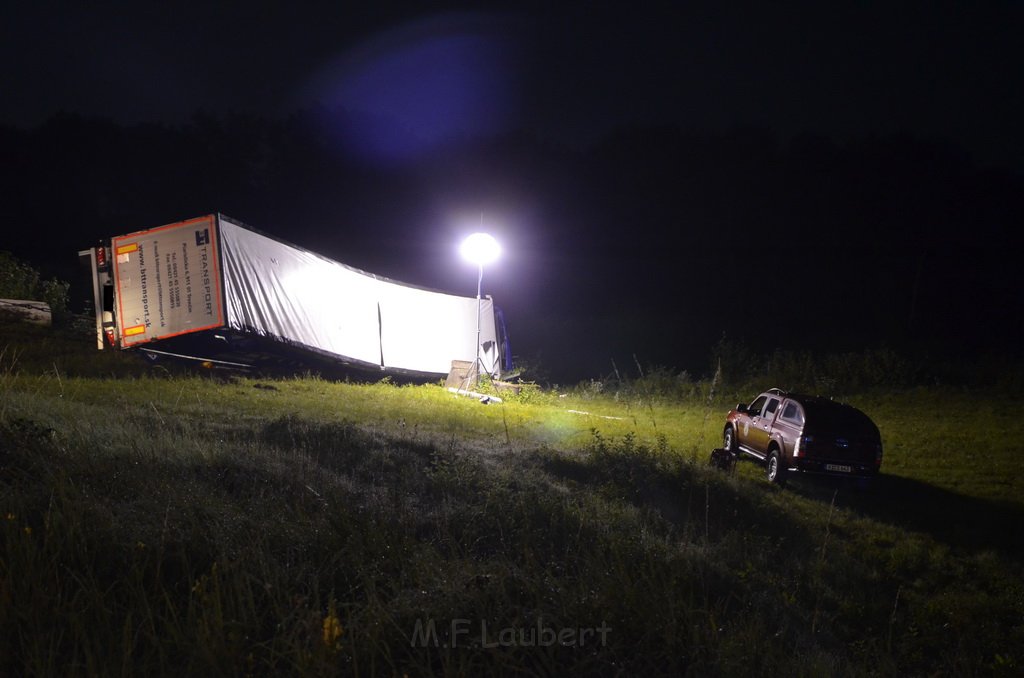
point(155, 523)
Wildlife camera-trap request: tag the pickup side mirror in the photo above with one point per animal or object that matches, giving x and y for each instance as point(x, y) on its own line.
point(742, 407)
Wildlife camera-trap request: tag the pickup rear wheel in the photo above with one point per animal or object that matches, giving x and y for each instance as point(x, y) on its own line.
point(729, 439)
point(774, 470)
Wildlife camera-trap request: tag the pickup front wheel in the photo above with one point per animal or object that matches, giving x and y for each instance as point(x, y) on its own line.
point(729, 439)
point(773, 469)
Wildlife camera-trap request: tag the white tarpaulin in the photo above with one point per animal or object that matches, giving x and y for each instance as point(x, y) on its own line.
point(287, 293)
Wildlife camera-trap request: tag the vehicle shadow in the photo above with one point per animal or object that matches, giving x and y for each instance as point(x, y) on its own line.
point(954, 519)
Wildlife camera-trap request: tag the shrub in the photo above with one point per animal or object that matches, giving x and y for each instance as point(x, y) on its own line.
point(744, 370)
point(18, 280)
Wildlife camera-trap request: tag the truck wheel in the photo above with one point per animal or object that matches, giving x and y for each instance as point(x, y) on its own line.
point(773, 469)
point(729, 439)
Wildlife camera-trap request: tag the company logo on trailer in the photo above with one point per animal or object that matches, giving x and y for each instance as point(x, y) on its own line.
point(203, 237)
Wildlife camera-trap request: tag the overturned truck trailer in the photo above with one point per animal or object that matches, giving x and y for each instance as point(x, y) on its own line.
point(214, 290)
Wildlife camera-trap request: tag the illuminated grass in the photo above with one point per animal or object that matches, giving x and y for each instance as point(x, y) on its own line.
point(961, 441)
point(157, 525)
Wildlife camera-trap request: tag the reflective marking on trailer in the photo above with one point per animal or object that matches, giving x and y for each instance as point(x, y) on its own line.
point(132, 331)
point(125, 249)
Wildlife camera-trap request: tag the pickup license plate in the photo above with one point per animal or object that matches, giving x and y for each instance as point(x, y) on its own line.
point(839, 468)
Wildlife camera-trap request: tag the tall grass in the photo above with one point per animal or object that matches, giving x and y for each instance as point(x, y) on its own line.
point(187, 525)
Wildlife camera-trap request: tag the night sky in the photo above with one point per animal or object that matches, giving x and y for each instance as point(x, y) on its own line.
point(831, 176)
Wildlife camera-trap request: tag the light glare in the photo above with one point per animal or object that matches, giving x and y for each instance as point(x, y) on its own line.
point(480, 248)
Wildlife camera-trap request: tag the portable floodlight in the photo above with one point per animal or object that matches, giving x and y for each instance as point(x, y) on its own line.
point(480, 249)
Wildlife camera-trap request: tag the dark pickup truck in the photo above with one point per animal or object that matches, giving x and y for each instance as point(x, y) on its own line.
point(789, 432)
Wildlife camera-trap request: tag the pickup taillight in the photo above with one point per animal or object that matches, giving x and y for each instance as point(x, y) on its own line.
point(802, 446)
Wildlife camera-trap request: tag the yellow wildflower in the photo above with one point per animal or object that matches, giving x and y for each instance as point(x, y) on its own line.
point(332, 629)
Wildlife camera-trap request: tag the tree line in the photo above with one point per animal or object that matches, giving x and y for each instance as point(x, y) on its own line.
point(652, 240)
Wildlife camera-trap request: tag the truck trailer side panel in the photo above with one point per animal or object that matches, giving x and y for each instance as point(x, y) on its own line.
point(424, 331)
point(281, 291)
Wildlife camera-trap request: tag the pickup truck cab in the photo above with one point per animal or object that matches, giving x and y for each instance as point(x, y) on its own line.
point(790, 433)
